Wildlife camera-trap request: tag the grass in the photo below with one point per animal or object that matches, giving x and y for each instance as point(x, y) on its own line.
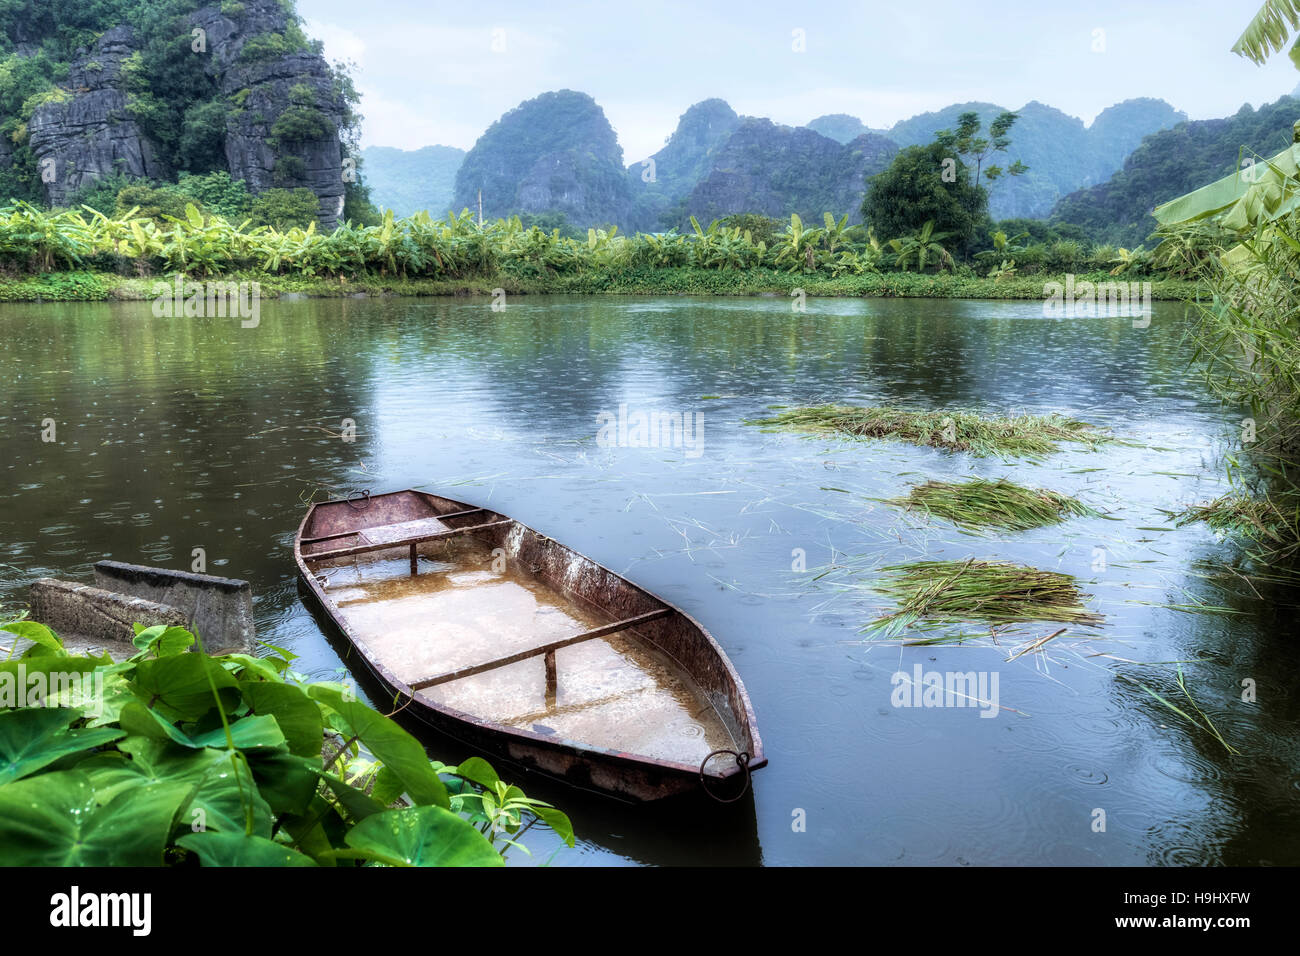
point(1264, 521)
point(1026, 436)
point(94, 285)
point(997, 593)
point(1201, 721)
point(979, 503)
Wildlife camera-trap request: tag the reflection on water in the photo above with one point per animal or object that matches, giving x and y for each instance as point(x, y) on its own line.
point(183, 434)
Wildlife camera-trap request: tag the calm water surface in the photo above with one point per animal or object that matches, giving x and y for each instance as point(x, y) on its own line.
point(174, 435)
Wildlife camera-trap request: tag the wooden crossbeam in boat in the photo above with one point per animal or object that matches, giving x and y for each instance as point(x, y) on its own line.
point(547, 649)
point(349, 534)
point(418, 539)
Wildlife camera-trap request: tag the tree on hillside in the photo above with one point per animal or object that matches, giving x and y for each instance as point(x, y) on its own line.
point(924, 184)
point(967, 143)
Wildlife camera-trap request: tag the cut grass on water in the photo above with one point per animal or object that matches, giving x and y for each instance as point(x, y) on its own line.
point(1025, 436)
point(1273, 527)
point(932, 593)
point(979, 503)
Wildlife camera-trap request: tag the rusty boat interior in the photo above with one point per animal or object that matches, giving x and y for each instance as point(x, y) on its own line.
point(509, 640)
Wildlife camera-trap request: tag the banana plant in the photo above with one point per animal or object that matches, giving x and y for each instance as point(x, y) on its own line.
point(799, 245)
point(920, 246)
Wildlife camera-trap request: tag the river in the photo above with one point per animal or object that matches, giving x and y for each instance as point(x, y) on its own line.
point(177, 434)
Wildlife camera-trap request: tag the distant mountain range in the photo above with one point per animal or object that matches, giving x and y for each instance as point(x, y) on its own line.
point(718, 164)
point(1061, 153)
point(557, 153)
point(407, 181)
point(1175, 161)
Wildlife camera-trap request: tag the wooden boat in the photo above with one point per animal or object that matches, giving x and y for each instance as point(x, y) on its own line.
point(517, 645)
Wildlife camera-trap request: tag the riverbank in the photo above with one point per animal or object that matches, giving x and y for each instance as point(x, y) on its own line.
point(87, 286)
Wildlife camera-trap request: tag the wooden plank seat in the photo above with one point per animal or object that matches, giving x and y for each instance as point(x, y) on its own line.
point(401, 534)
point(547, 649)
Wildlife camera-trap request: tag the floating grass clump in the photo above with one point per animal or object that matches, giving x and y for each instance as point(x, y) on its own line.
point(952, 592)
point(1027, 436)
point(979, 503)
point(1272, 526)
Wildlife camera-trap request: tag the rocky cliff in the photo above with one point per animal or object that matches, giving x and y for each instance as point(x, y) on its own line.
point(778, 170)
point(262, 101)
point(84, 132)
point(661, 181)
point(554, 153)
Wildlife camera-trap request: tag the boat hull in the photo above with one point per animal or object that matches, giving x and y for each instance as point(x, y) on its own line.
point(674, 635)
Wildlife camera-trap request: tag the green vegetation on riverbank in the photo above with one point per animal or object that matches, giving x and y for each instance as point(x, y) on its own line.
point(86, 255)
point(91, 286)
point(176, 758)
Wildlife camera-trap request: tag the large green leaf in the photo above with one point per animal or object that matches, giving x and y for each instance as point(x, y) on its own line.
point(287, 782)
point(256, 665)
point(36, 633)
point(421, 836)
point(44, 666)
point(297, 714)
point(558, 821)
point(358, 804)
point(183, 684)
point(138, 720)
point(397, 750)
point(53, 820)
point(221, 788)
point(35, 737)
point(236, 849)
point(1240, 201)
point(1268, 31)
point(246, 732)
point(317, 831)
point(165, 640)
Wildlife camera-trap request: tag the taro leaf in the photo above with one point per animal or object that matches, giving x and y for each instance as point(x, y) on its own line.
point(137, 719)
point(421, 836)
point(297, 714)
point(117, 694)
point(149, 761)
point(52, 820)
point(478, 770)
point(35, 737)
point(37, 633)
point(167, 641)
point(316, 831)
point(397, 750)
point(37, 674)
point(236, 849)
point(388, 787)
point(223, 800)
point(358, 804)
point(558, 821)
point(181, 683)
point(246, 732)
point(256, 665)
point(220, 787)
point(287, 782)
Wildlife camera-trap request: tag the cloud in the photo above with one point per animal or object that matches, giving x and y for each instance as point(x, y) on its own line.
point(340, 42)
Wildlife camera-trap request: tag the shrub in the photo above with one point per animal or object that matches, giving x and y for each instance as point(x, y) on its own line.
point(284, 208)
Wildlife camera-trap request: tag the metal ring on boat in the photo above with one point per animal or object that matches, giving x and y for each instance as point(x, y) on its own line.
point(361, 496)
point(742, 761)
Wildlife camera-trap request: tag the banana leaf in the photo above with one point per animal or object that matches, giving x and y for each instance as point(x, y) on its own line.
point(1262, 192)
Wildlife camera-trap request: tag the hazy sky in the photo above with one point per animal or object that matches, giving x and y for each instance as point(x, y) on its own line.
point(442, 73)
